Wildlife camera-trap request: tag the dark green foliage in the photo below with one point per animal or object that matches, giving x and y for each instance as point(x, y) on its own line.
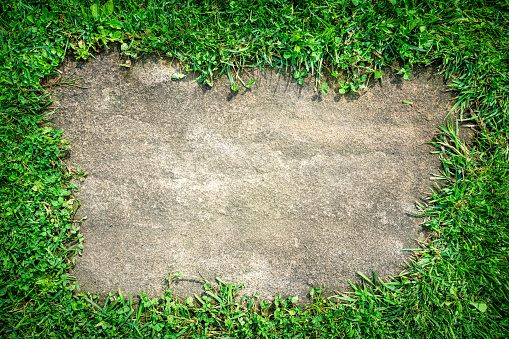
point(457, 287)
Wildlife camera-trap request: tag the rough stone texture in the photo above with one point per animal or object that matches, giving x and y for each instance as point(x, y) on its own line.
point(277, 185)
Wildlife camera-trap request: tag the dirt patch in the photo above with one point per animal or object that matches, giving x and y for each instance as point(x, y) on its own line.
point(275, 185)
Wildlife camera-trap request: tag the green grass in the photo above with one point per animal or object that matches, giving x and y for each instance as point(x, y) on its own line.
point(458, 287)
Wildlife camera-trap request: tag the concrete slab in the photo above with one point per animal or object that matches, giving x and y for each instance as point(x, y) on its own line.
point(275, 185)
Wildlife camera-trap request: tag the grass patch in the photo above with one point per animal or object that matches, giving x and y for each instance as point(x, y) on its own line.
point(458, 286)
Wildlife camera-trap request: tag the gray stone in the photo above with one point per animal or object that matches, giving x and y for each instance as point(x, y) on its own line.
point(277, 185)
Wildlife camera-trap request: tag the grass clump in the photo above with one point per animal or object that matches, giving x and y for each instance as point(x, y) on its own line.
point(457, 287)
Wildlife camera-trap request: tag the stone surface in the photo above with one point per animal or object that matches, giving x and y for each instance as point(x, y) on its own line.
point(277, 185)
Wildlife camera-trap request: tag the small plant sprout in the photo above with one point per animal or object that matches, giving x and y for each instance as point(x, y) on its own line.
point(126, 64)
point(177, 76)
point(406, 72)
point(324, 88)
